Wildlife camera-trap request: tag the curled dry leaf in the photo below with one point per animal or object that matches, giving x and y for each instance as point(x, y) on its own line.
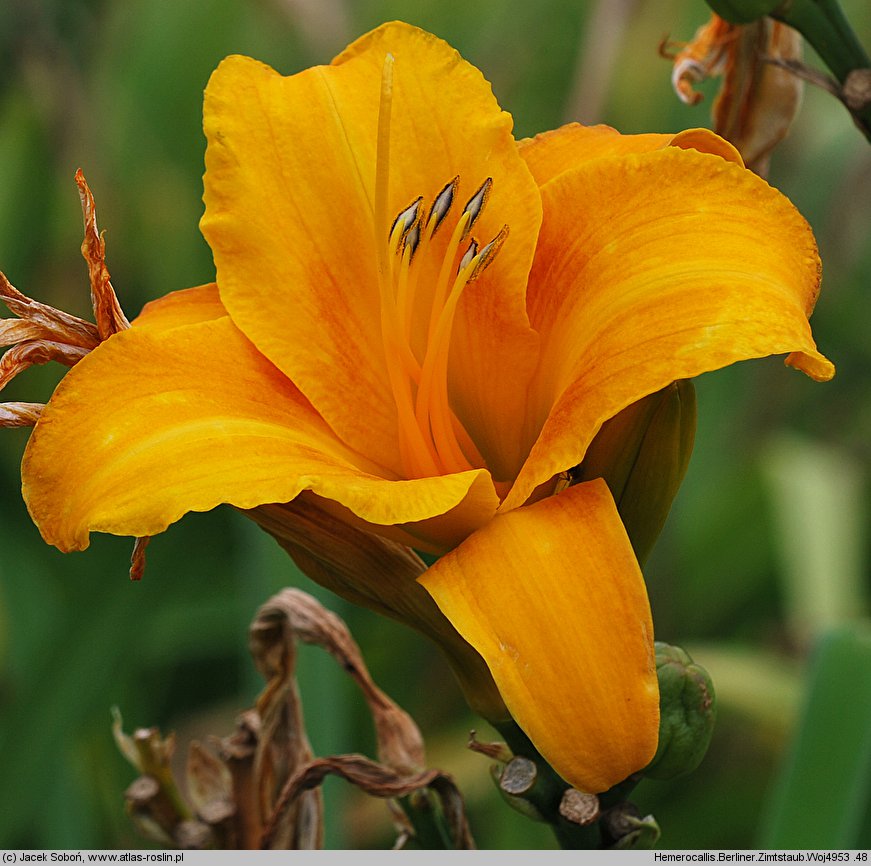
point(15, 414)
point(137, 558)
point(282, 745)
point(208, 779)
point(42, 333)
point(498, 751)
point(31, 352)
point(108, 314)
point(48, 323)
point(259, 787)
point(379, 781)
point(293, 614)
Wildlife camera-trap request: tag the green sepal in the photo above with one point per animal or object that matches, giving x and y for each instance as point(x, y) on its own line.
point(688, 710)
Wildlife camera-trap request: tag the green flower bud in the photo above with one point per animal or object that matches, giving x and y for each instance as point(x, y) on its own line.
point(688, 709)
point(643, 454)
point(743, 11)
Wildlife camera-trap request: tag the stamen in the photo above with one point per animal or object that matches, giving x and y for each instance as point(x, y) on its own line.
point(432, 408)
point(404, 297)
point(477, 203)
point(412, 239)
point(419, 239)
point(441, 290)
point(489, 253)
point(470, 253)
point(406, 220)
point(442, 204)
point(432, 440)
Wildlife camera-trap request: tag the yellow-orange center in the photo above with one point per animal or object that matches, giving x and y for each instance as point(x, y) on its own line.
point(432, 441)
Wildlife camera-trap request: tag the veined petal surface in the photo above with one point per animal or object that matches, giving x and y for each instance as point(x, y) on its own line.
point(183, 307)
point(552, 598)
point(551, 153)
point(651, 268)
point(290, 216)
point(188, 418)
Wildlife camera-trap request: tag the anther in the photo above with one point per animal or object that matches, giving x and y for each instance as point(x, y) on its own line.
point(470, 254)
point(476, 203)
point(412, 239)
point(405, 220)
point(442, 204)
point(487, 254)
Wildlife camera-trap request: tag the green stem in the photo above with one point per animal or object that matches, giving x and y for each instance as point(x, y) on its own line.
point(824, 25)
point(826, 28)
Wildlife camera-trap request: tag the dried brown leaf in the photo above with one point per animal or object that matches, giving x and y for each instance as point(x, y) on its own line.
point(295, 614)
point(760, 96)
point(208, 779)
point(137, 558)
point(24, 355)
point(455, 811)
point(238, 752)
point(152, 813)
point(498, 751)
point(759, 99)
point(379, 781)
point(62, 327)
point(14, 331)
point(20, 414)
point(282, 745)
point(107, 311)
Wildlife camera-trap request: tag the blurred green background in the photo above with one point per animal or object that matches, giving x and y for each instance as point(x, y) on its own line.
point(766, 549)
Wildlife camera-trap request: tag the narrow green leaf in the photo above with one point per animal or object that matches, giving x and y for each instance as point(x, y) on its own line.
point(823, 792)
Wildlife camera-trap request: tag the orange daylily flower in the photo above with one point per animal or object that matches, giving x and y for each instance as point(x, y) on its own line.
point(419, 324)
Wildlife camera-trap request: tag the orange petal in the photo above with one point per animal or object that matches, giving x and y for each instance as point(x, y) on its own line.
point(652, 268)
point(551, 153)
point(153, 424)
point(552, 598)
point(185, 307)
point(290, 190)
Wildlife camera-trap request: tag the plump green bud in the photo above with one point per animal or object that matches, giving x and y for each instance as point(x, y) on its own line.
point(688, 709)
point(643, 454)
point(743, 11)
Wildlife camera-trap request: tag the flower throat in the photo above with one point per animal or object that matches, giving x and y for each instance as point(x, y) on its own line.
point(432, 441)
